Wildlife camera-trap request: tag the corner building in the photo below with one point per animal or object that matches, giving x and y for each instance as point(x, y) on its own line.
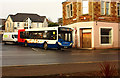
point(96, 23)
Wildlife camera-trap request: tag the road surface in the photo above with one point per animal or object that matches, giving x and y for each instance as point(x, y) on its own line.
point(15, 55)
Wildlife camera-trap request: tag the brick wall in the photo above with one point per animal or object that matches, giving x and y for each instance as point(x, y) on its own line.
point(69, 20)
point(94, 13)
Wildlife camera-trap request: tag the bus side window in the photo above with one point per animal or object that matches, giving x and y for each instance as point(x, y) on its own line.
point(21, 34)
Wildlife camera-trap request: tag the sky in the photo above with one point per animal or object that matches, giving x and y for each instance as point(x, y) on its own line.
point(52, 9)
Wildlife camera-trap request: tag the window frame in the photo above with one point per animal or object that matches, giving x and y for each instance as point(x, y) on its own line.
point(69, 12)
point(37, 25)
point(111, 35)
point(82, 7)
point(102, 7)
point(7, 25)
point(117, 8)
point(18, 24)
point(107, 8)
point(10, 25)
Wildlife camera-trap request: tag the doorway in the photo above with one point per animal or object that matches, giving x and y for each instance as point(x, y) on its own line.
point(86, 41)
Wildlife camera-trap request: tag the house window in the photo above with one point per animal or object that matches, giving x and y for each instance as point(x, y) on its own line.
point(69, 10)
point(106, 35)
point(10, 25)
point(85, 7)
point(118, 7)
point(24, 24)
point(102, 7)
point(107, 8)
point(18, 24)
point(7, 25)
point(37, 25)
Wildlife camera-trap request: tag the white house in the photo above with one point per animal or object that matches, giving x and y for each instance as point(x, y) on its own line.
point(24, 21)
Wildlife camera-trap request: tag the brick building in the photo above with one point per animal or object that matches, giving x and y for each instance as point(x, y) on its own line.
point(96, 22)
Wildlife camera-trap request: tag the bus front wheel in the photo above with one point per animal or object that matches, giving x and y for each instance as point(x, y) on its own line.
point(45, 46)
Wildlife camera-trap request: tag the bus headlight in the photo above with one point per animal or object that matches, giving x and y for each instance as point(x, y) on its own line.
point(59, 43)
point(70, 44)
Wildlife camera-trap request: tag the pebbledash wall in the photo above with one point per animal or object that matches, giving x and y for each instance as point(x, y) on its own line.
point(94, 20)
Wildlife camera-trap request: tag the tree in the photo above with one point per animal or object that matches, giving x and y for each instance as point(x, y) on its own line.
point(52, 24)
point(60, 21)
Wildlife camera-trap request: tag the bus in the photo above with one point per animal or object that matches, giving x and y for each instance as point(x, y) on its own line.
point(49, 37)
point(10, 37)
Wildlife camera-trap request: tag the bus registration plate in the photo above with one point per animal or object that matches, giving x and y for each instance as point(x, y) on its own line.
point(65, 47)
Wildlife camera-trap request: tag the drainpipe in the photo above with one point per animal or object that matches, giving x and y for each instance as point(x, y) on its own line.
point(76, 34)
point(92, 10)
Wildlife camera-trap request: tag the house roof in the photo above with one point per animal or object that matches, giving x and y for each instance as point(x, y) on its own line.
point(20, 17)
point(2, 21)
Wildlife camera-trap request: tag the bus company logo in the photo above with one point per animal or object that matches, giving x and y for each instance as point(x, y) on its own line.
point(65, 42)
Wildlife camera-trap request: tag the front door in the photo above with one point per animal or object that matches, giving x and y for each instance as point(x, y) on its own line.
point(86, 41)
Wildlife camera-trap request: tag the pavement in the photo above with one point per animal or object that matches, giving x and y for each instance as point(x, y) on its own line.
point(53, 69)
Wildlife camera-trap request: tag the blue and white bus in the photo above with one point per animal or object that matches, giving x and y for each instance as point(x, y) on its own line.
point(49, 37)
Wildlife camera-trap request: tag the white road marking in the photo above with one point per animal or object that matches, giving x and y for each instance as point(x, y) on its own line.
point(60, 63)
point(23, 55)
point(35, 49)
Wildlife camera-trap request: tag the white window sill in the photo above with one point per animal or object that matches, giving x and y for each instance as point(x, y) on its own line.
point(105, 44)
point(69, 17)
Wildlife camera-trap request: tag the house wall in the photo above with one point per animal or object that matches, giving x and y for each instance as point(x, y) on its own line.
point(106, 18)
point(45, 23)
point(119, 35)
point(34, 25)
point(115, 35)
point(8, 21)
point(78, 26)
point(93, 15)
point(95, 33)
point(21, 26)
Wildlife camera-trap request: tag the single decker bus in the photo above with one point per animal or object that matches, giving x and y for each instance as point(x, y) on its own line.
point(49, 37)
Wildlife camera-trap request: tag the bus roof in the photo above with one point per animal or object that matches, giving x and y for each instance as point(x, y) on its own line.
point(45, 28)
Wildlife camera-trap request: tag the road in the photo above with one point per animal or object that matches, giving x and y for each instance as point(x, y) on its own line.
point(13, 55)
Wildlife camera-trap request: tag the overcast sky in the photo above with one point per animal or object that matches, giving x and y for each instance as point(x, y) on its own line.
point(52, 9)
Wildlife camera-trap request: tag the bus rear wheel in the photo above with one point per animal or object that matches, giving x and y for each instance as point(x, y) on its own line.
point(45, 46)
point(5, 43)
